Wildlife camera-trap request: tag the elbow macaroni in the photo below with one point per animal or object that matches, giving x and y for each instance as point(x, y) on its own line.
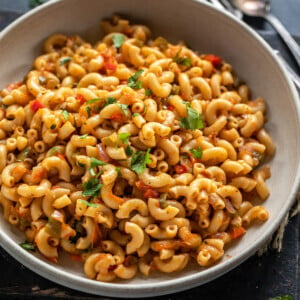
point(75, 137)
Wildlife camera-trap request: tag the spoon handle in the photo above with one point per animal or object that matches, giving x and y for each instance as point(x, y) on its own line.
point(285, 35)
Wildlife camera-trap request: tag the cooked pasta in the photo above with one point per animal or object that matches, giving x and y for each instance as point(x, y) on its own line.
point(132, 155)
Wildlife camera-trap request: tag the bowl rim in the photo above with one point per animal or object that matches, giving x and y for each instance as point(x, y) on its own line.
point(125, 290)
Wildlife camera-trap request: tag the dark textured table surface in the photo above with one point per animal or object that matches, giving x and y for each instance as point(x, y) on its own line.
point(270, 275)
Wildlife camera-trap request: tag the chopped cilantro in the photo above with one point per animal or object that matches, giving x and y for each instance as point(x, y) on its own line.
point(53, 126)
point(96, 162)
point(139, 161)
point(148, 92)
point(84, 136)
point(124, 137)
point(136, 115)
point(93, 100)
point(88, 203)
point(185, 61)
point(80, 164)
point(128, 151)
point(118, 39)
point(28, 246)
point(193, 120)
point(23, 154)
point(284, 297)
point(111, 100)
point(54, 150)
point(124, 108)
point(92, 187)
point(88, 110)
point(65, 114)
point(133, 80)
point(118, 170)
point(64, 60)
point(197, 153)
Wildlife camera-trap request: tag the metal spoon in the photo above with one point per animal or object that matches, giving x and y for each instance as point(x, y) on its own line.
point(261, 8)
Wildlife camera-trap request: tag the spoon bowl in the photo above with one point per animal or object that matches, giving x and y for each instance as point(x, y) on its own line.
point(262, 8)
point(253, 7)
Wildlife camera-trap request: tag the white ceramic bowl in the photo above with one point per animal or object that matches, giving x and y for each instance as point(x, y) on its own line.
point(206, 30)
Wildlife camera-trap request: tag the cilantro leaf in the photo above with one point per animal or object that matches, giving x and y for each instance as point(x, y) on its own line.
point(148, 92)
point(185, 61)
point(192, 121)
point(84, 136)
point(92, 187)
point(197, 153)
point(118, 170)
point(110, 100)
point(118, 39)
point(65, 114)
point(53, 126)
point(93, 100)
point(94, 162)
point(28, 246)
point(88, 203)
point(133, 80)
point(54, 150)
point(88, 110)
point(124, 108)
point(128, 151)
point(139, 161)
point(136, 114)
point(64, 60)
point(124, 137)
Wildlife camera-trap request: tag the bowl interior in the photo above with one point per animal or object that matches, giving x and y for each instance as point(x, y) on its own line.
point(208, 31)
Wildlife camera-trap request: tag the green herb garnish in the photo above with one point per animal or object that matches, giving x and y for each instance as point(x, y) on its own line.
point(136, 115)
point(128, 151)
point(64, 60)
point(96, 162)
point(65, 114)
point(197, 153)
point(124, 137)
point(185, 61)
point(88, 203)
point(53, 126)
point(54, 150)
point(28, 246)
point(23, 154)
point(92, 187)
point(118, 170)
point(124, 108)
point(84, 136)
point(139, 161)
point(133, 80)
point(148, 92)
point(93, 100)
point(192, 121)
point(118, 39)
point(88, 110)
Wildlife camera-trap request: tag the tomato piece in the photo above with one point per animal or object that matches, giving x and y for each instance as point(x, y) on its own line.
point(237, 232)
point(151, 193)
point(110, 66)
point(215, 60)
point(142, 186)
point(35, 105)
point(118, 117)
point(170, 107)
point(180, 169)
point(61, 156)
point(80, 98)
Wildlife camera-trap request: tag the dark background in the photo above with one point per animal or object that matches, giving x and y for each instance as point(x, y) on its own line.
point(259, 278)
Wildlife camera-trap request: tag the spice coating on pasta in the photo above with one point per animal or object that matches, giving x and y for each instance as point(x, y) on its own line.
point(133, 155)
